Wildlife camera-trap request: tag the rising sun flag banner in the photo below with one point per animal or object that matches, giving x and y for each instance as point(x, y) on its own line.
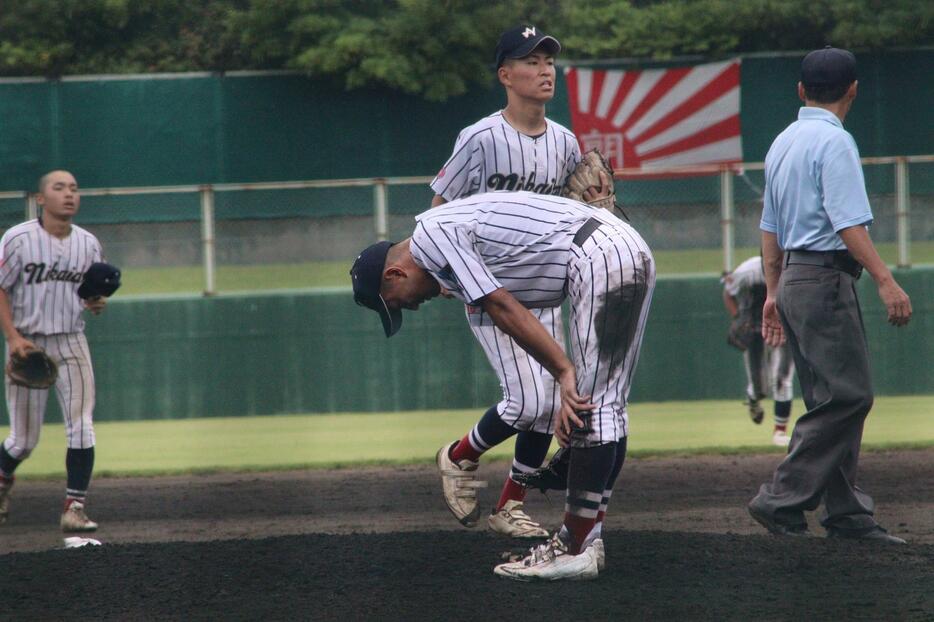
point(657, 118)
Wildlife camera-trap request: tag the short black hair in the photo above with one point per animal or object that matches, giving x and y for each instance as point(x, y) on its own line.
point(826, 94)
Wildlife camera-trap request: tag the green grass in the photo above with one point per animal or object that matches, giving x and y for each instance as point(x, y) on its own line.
point(354, 439)
point(334, 273)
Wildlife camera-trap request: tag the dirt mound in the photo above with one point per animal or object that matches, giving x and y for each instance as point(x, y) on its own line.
point(378, 544)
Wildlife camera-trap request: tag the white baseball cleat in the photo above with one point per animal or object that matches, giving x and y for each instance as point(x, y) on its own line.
point(512, 521)
point(74, 520)
point(781, 438)
point(5, 485)
point(459, 486)
point(551, 562)
point(76, 542)
point(600, 552)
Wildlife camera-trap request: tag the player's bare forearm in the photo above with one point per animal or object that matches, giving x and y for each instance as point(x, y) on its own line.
point(6, 317)
point(438, 200)
point(897, 303)
point(772, 330)
point(771, 261)
point(17, 343)
point(860, 245)
point(518, 322)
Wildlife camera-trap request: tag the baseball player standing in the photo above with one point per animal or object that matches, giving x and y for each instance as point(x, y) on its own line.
point(766, 367)
point(516, 148)
point(509, 253)
point(41, 265)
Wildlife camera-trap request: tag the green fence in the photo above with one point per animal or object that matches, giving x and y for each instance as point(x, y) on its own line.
point(318, 352)
point(251, 126)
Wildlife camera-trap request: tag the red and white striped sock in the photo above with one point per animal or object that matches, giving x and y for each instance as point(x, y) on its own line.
point(465, 451)
point(512, 491)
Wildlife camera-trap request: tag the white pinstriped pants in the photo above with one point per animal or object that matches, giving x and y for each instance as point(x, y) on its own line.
point(769, 369)
point(530, 395)
point(74, 390)
point(611, 279)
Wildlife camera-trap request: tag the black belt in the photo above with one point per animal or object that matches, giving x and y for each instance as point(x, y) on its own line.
point(586, 231)
point(838, 260)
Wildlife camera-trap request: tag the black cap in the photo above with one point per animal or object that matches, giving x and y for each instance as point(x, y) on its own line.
point(101, 279)
point(521, 41)
point(367, 275)
point(828, 67)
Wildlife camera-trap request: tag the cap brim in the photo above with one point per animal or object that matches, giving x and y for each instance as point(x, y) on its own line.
point(549, 43)
point(391, 318)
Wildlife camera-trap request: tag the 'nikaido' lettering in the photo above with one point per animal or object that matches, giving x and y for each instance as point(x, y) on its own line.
point(37, 273)
point(512, 182)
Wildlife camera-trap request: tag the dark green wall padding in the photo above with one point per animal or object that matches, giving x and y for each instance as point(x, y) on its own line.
point(160, 358)
point(214, 128)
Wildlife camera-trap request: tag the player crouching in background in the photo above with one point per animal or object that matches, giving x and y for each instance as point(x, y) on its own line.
point(766, 366)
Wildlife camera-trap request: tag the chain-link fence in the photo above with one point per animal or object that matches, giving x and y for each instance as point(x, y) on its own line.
point(236, 237)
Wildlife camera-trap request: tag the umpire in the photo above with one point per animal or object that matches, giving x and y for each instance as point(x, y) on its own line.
point(816, 210)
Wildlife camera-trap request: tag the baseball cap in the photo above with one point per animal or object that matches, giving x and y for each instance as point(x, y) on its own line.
point(367, 274)
point(520, 41)
point(828, 67)
point(101, 279)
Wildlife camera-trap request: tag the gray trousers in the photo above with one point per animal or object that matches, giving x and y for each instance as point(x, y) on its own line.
point(821, 317)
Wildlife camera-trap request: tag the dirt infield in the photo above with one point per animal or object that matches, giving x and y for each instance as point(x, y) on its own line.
point(378, 544)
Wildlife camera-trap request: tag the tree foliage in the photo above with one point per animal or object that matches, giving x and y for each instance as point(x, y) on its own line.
point(58, 37)
point(432, 48)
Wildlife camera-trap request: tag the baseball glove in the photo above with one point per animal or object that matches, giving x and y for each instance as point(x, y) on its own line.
point(586, 176)
point(742, 333)
point(552, 476)
point(35, 370)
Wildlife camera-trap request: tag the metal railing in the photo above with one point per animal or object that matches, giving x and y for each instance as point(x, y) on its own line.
point(381, 210)
point(727, 173)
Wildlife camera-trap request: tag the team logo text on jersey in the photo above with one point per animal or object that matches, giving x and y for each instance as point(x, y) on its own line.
point(37, 273)
point(513, 182)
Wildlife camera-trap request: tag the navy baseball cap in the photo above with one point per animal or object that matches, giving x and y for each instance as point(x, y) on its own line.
point(101, 279)
point(828, 67)
point(521, 41)
point(367, 275)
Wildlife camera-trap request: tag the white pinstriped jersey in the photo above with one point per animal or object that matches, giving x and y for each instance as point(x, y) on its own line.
point(745, 275)
point(41, 274)
point(492, 155)
point(516, 240)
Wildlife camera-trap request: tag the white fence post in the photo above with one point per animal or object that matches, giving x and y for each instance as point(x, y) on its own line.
point(32, 208)
point(902, 217)
point(380, 210)
point(727, 212)
point(207, 238)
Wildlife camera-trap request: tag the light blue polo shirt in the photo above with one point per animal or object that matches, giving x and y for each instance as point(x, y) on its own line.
point(814, 184)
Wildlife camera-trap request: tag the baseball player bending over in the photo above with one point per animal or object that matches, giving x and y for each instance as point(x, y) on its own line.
point(516, 148)
point(766, 367)
point(42, 262)
point(510, 253)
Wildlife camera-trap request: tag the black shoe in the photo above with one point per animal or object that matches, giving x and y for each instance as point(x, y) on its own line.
point(777, 528)
point(876, 534)
point(756, 412)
